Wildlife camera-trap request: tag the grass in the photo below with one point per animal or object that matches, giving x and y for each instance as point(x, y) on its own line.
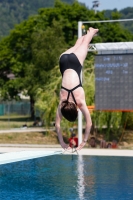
point(14, 121)
point(17, 121)
point(29, 138)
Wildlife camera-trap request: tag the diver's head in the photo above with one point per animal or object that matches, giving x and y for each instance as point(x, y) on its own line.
point(69, 110)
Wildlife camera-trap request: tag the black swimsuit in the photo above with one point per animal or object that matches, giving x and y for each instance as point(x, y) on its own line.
point(70, 61)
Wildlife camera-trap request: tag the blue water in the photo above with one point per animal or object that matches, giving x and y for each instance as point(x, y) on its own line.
point(66, 177)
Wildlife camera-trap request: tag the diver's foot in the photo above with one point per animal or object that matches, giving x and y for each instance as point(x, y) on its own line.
point(93, 30)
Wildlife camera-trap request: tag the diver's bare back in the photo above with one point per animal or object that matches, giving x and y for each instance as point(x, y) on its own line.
point(70, 80)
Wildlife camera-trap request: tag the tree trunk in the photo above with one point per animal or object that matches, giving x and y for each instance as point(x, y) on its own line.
point(32, 111)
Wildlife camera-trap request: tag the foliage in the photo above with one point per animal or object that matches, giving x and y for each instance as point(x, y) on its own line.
point(34, 51)
point(126, 13)
point(129, 121)
point(47, 99)
point(13, 12)
point(108, 121)
point(89, 80)
point(44, 47)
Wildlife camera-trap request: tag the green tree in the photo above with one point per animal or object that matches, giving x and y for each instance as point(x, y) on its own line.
point(34, 52)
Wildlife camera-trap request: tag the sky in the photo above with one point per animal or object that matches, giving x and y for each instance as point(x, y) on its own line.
point(109, 4)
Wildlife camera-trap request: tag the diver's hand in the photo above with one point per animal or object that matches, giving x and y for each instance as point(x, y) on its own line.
point(81, 146)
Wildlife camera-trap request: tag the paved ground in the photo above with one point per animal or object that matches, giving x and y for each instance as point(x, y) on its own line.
point(85, 151)
point(23, 129)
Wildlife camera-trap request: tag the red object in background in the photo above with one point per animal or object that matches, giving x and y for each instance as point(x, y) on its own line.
point(73, 142)
point(114, 144)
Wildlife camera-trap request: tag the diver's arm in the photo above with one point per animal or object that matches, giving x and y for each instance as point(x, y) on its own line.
point(88, 125)
point(88, 121)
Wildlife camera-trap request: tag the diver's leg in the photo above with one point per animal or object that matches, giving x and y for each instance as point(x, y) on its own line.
point(77, 44)
point(82, 49)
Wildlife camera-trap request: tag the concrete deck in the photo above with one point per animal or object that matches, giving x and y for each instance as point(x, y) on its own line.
point(25, 129)
point(4, 148)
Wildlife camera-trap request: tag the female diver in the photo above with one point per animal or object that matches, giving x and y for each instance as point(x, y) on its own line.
point(72, 96)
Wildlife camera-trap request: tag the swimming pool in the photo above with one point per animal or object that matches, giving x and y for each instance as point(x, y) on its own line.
point(68, 177)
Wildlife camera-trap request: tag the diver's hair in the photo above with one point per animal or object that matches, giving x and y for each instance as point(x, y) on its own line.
point(69, 110)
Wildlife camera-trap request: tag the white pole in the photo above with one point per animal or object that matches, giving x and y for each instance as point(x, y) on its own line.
point(79, 112)
point(107, 21)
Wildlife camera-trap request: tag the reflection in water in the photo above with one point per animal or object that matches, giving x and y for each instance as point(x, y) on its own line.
point(90, 178)
point(86, 180)
point(80, 177)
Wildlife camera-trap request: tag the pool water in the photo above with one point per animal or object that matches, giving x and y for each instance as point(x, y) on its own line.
point(68, 177)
